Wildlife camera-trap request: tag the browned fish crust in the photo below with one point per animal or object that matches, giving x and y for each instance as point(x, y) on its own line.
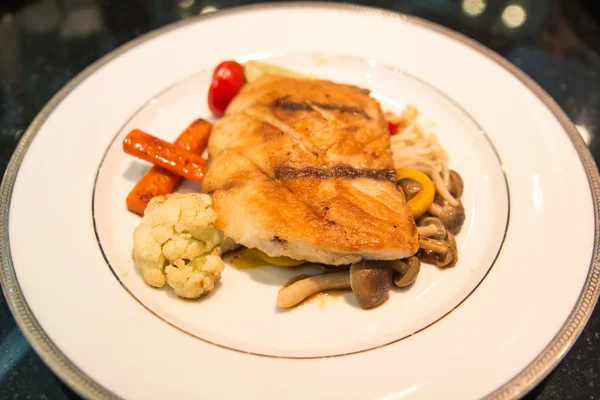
point(303, 168)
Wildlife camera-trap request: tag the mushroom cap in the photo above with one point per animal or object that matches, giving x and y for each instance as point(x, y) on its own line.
point(412, 262)
point(452, 217)
point(413, 267)
point(441, 235)
point(410, 187)
point(428, 256)
point(457, 185)
point(449, 260)
point(370, 283)
point(442, 254)
point(451, 241)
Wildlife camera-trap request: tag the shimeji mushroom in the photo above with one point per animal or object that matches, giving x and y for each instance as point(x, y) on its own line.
point(432, 227)
point(295, 293)
point(451, 217)
point(456, 185)
point(442, 254)
point(370, 282)
point(451, 241)
point(410, 187)
point(407, 271)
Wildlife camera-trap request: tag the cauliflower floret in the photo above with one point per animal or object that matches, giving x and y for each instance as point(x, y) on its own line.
point(171, 243)
point(195, 278)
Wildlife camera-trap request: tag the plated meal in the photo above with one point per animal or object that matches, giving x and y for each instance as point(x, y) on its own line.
point(300, 172)
point(315, 176)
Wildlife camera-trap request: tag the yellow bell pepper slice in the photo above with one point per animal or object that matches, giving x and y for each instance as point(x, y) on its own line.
point(244, 259)
point(256, 69)
point(422, 201)
point(277, 261)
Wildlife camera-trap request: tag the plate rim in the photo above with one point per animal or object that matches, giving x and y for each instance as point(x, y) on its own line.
point(517, 386)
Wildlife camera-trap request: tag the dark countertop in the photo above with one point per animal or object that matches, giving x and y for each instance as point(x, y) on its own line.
point(43, 44)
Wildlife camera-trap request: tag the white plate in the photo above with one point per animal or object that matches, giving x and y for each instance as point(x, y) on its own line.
point(494, 325)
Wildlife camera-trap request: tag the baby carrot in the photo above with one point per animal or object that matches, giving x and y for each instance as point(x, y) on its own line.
point(159, 181)
point(156, 182)
point(195, 137)
point(164, 154)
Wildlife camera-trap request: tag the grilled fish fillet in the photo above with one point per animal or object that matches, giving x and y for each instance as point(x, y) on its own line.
point(303, 169)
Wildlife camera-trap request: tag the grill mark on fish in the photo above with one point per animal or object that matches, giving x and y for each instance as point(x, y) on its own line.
point(340, 171)
point(316, 211)
point(285, 104)
point(342, 109)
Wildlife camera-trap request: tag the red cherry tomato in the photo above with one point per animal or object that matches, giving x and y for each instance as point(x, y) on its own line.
point(393, 128)
point(227, 80)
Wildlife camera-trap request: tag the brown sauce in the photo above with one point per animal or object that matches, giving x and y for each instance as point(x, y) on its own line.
point(325, 297)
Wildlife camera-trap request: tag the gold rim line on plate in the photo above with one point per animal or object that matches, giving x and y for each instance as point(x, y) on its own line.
point(516, 387)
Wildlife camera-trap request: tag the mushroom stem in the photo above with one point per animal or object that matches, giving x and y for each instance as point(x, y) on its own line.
point(427, 231)
point(407, 271)
point(294, 294)
point(442, 254)
point(399, 266)
point(430, 245)
point(432, 227)
point(435, 209)
point(442, 189)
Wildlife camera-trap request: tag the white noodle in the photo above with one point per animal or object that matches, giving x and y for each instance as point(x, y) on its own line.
point(416, 147)
point(446, 176)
